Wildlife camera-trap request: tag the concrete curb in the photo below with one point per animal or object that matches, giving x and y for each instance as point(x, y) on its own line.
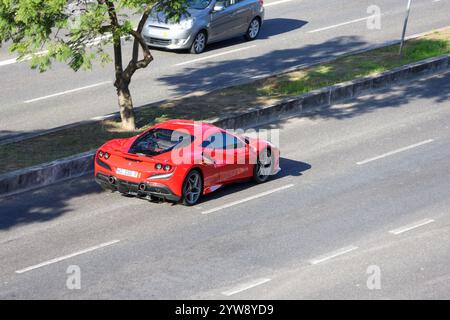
point(46, 174)
point(333, 94)
point(78, 165)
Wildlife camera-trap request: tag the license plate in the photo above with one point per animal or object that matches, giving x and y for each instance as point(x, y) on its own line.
point(128, 173)
point(160, 33)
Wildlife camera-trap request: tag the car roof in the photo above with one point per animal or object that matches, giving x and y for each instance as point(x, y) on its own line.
point(191, 126)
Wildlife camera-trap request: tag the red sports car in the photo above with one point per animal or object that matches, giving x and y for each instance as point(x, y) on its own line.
point(181, 160)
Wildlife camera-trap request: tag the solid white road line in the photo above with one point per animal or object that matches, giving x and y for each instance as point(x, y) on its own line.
point(340, 24)
point(256, 196)
point(16, 60)
point(246, 286)
point(411, 226)
point(93, 42)
point(8, 62)
point(46, 263)
point(68, 91)
point(395, 152)
point(214, 56)
point(276, 2)
point(332, 255)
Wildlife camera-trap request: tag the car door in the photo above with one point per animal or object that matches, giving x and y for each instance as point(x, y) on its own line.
point(228, 154)
point(236, 157)
point(242, 15)
point(221, 22)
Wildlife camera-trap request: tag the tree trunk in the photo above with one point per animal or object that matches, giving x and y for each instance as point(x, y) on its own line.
point(126, 108)
point(123, 77)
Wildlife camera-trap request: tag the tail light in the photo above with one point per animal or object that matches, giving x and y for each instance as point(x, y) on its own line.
point(165, 167)
point(102, 154)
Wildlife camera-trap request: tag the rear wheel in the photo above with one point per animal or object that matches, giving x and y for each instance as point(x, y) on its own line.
point(264, 166)
point(253, 29)
point(192, 188)
point(199, 44)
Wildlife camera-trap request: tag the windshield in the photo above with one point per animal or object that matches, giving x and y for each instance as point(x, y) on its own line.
point(198, 4)
point(158, 141)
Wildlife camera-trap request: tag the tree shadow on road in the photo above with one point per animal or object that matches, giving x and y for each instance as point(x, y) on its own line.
point(434, 88)
point(210, 75)
point(45, 204)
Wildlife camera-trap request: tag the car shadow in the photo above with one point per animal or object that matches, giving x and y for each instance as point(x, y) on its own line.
point(270, 28)
point(289, 167)
point(278, 26)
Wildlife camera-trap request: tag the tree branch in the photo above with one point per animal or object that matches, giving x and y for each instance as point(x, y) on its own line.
point(136, 64)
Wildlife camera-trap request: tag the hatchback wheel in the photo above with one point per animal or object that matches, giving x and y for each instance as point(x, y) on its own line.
point(192, 188)
point(264, 166)
point(199, 44)
point(253, 29)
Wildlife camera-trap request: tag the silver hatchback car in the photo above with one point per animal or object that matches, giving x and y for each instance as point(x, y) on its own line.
point(207, 21)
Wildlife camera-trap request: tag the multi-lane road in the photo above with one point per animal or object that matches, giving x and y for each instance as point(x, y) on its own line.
point(364, 193)
point(296, 32)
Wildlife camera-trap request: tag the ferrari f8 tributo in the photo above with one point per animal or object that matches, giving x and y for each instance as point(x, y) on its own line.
point(181, 160)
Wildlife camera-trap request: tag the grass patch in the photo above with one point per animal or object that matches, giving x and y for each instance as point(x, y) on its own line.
point(223, 102)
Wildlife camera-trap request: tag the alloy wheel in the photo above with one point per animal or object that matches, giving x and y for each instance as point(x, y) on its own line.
point(192, 188)
point(199, 43)
point(263, 167)
point(253, 29)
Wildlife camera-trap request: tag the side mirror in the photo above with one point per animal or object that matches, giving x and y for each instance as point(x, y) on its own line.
point(218, 7)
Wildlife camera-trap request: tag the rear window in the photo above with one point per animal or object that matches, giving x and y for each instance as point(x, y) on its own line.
point(158, 141)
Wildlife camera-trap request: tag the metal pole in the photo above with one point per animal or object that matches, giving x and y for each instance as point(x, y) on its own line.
point(408, 9)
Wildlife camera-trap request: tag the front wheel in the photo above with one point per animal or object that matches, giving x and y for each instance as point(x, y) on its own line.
point(199, 44)
point(253, 29)
point(192, 188)
point(264, 166)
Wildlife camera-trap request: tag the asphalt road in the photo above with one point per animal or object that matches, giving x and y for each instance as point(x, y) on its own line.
point(365, 188)
point(296, 32)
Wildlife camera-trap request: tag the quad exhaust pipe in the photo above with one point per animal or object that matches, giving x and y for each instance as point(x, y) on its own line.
point(112, 180)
